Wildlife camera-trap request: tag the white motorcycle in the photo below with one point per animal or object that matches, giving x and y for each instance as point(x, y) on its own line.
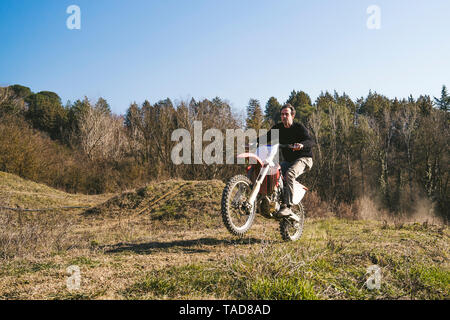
point(261, 191)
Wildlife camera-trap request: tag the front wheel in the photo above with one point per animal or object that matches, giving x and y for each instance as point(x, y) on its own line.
point(235, 214)
point(291, 230)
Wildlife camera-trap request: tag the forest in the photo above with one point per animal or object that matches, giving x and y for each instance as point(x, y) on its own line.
point(394, 150)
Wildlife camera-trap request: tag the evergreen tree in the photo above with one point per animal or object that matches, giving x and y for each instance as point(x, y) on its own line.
point(21, 91)
point(221, 108)
point(425, 104)
point(325, 101)
point(45, 112)
point(103, 106)
point(444, 102)
point(133, 117)
point(302, 104)
point(255, 116)
point(76, 112)
point(374, 105)
point(12, 99)
point(345, 100)
point(272, 111)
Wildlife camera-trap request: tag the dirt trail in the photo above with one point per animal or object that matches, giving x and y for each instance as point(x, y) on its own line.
point(175, 247)
point(119, 251)
point(145, 244)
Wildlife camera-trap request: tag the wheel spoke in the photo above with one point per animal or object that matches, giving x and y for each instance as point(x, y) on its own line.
point(292, 230)
point(236, 217)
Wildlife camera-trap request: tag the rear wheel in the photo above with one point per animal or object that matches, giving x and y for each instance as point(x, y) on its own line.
point(291, 230)
point(235, 213)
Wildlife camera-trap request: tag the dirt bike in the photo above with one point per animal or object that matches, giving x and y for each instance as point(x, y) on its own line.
point(261, 190)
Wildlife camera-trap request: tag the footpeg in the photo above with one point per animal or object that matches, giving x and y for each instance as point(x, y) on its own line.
point(294, 217)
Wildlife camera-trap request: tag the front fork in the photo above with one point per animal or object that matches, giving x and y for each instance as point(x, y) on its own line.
point(252, 198)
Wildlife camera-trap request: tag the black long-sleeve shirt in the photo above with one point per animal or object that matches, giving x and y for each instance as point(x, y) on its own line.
point(296, 133)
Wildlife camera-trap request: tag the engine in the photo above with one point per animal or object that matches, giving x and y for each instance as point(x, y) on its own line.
point(269, 204)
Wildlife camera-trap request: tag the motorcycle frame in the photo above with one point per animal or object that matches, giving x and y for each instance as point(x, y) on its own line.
point(266, 165)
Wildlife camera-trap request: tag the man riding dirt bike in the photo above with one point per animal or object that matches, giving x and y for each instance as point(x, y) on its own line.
point(264, 189)
point(296, 160)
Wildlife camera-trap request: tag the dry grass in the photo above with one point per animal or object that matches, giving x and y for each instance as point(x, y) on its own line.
point(18, 192)
point(25, 234)
point(179, 249)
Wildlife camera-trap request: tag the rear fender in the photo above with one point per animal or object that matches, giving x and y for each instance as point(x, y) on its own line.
point(299, 192)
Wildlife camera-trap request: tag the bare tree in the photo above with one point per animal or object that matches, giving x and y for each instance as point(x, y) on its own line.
point(4, 94)
point(408, 120)
point(100, 135)
point(333, 150)
point(315, 125)
point(345, 119)
point(380, 140)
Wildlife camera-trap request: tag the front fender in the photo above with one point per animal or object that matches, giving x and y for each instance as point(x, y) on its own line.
point(251, 156)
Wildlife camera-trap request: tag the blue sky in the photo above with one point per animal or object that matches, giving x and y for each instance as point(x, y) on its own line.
point(134, 50)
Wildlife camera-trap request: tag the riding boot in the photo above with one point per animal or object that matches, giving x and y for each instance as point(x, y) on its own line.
point(284, 212)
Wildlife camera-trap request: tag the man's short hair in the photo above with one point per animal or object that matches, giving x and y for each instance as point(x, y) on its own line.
point(288, 105)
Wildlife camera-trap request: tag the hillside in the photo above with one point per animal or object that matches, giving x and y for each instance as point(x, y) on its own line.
point(167, 241)
point(18, 192)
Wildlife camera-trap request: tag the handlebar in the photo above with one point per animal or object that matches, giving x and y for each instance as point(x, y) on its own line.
point(281, 145)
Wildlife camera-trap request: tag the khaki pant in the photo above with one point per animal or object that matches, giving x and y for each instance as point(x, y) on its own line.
point(291, 171)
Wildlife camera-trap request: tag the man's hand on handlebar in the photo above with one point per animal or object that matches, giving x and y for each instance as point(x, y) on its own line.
point(294, 146)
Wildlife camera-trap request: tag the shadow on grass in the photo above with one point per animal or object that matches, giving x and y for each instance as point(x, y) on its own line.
point(187, 246)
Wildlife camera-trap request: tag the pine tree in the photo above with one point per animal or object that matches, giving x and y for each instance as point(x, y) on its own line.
point(45, 112)
point(444, 102)
point(302, 104)
point(272, 111)
point(255, 116)
point(103, 106)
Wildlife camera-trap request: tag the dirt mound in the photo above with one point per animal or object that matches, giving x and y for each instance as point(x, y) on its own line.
point(167, 200)
point(26, 194)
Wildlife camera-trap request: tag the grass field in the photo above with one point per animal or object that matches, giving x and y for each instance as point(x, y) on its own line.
point(167, 241)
